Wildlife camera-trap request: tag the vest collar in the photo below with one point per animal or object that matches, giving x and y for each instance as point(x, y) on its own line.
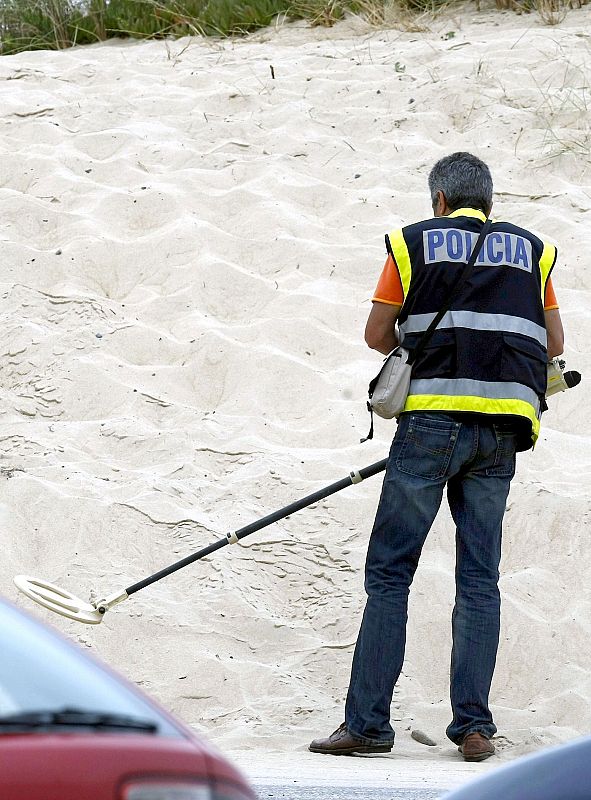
point(468, 212)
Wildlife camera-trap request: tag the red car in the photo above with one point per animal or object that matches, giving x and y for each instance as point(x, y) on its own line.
point(71, 729)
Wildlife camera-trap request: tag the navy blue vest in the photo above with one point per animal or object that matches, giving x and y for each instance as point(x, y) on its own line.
point(488, 354)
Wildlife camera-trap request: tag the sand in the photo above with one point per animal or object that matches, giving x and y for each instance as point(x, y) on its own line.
point(189, 249)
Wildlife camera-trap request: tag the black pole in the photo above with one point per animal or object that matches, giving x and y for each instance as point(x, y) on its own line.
point(231, 538)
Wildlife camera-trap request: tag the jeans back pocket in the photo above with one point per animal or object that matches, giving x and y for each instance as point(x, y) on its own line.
point(504, 463)
point(427, 446)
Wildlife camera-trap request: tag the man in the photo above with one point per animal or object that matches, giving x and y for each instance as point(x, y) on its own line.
point(475, 400)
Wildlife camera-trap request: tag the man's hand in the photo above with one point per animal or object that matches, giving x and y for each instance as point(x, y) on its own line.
point(380, 333)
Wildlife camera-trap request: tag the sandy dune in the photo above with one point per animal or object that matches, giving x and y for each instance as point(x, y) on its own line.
point(189, 247)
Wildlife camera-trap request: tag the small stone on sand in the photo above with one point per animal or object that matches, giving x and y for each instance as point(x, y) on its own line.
point(421, 737)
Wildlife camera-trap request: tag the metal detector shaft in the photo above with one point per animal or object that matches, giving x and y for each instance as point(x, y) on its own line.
point(231, 538)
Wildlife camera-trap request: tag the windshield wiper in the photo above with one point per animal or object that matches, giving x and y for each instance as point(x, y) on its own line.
point(74, 718)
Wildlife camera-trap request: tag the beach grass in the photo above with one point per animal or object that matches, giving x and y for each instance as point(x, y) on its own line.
point(34, 24)
point(57, 24)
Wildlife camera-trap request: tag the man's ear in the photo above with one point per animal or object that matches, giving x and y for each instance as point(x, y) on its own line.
point(440, 208)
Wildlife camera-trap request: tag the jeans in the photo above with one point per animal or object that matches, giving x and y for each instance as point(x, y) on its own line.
point(476, 460)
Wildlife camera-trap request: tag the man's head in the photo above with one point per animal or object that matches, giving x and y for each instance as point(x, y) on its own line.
point(460, 180)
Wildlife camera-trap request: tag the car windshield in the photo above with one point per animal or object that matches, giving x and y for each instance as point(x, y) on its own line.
point(40, 672)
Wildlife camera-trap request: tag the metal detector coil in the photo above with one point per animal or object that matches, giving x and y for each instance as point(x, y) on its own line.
point(65, 603)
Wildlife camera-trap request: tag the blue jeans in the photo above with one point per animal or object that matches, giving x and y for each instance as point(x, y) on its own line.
point(476, 460)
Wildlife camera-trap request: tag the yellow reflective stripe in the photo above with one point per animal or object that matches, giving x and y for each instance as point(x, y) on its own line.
point(402, 258)
point(469, 212)
point(481, 405)
point(546, 263)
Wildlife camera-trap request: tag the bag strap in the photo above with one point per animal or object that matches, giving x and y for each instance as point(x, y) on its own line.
point(462, 277)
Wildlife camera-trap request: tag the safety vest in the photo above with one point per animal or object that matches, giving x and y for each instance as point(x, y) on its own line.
point(488, 355)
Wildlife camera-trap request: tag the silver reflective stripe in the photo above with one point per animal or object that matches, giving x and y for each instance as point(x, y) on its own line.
point(466, 387)
point(417, 323)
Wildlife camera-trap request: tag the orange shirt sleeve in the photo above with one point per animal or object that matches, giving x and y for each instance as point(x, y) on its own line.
point(550, 300)
point(389, 289)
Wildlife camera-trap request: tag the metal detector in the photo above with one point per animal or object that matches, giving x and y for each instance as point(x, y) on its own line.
point(68, 605)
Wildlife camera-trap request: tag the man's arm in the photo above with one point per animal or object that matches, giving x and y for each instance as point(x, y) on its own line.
point(380, 331)
point(555, 333)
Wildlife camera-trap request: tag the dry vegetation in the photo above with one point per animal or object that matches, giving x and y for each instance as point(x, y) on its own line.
point(57, 24)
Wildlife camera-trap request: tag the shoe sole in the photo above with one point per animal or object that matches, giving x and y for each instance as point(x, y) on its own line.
point(479, 757)
point(349, 751)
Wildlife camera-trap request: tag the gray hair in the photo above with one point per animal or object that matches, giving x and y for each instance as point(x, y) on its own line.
point(465, 181)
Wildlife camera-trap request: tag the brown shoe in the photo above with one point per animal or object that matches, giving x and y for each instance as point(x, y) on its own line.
point(341, 743)
point(476, 747)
